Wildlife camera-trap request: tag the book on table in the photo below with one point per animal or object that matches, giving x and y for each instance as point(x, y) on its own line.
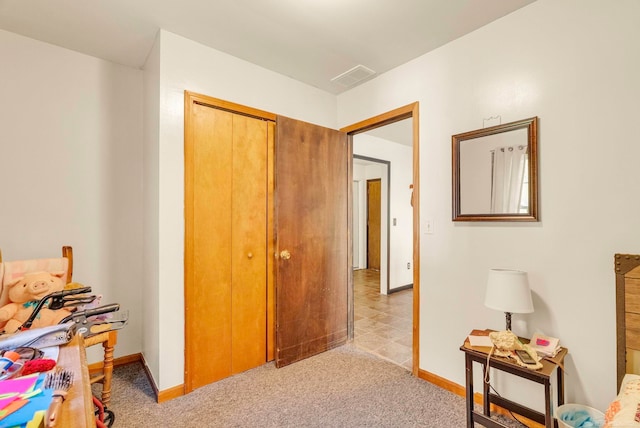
point(480, 339)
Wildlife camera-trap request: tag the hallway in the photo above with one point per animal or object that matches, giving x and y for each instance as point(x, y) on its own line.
point(383, 324)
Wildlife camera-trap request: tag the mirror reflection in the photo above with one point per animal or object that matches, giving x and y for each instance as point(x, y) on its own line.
point(494, 173)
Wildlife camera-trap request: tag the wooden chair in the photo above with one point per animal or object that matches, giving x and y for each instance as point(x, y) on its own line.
point(102, 374)
point(108, 339)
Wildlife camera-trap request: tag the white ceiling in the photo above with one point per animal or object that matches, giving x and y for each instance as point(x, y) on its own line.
point(400, 132)
point(309, 40)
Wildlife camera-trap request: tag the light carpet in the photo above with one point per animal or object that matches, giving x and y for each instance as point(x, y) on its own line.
point(344, 387)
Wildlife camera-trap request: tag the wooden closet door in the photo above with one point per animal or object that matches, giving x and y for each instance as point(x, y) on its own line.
point(249, 244)
point(208, 295)
point(226, 194)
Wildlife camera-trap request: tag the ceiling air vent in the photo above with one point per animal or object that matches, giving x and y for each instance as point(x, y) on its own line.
point(353, 76)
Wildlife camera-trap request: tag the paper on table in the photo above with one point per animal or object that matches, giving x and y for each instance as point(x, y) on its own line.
point(481, 341)
point(13, 407)
point(4, 402)
point(18, 385)
point(36, 403)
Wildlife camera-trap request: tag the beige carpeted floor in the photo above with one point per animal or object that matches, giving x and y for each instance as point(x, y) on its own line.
point(344, 387)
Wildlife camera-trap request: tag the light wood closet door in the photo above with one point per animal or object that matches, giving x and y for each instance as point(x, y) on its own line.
point(226, 295)
point(248, 243)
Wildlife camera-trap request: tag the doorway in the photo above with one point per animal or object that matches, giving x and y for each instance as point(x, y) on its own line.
point(365, 170)
point(373, 223)
point(382, 284)
point(407, 112)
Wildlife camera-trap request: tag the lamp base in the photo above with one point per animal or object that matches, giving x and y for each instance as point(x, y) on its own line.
point(508, 319)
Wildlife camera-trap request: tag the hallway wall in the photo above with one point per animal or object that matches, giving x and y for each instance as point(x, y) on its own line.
point(573, 63)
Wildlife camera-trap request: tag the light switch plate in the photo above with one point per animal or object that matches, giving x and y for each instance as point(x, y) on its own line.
point(428, 228)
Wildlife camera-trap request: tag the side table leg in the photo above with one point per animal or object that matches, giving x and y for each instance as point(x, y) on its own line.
point(486, 399)
point(548, 419)
point(560, 386)
point(469, 380)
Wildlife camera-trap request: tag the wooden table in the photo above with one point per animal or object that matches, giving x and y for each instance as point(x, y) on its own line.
point(77, 409)
point(542, 376)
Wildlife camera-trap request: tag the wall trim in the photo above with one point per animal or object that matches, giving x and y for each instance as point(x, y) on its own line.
point(170, 393)
point(120, 361)
point(165, 395)
point(477, 397)
point(402, 287)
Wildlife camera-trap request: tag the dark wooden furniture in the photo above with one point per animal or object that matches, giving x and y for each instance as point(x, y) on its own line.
point(627, 268)
point(542, 376)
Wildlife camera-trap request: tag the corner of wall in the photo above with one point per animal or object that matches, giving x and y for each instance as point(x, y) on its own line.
point(150, 312)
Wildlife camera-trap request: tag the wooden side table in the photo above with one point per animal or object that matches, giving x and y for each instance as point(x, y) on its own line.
point(77, 409)
point(542, 376)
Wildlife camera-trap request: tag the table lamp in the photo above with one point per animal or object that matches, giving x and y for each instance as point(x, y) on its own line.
point(508, 291)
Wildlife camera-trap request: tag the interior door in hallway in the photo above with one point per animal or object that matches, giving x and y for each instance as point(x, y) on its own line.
point(311, 198)
point(373, 224)
point(226, 188)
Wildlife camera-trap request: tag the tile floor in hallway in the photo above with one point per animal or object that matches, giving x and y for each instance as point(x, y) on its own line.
point(383, 323)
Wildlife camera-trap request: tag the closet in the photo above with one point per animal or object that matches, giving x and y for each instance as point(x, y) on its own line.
point(228, 192)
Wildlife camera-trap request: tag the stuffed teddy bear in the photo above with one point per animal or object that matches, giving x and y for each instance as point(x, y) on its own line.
point(24, 294)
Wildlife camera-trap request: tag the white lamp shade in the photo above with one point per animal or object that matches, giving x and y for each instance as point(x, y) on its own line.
point(508, 291)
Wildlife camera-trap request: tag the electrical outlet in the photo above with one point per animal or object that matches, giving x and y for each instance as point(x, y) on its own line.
point(409, 265)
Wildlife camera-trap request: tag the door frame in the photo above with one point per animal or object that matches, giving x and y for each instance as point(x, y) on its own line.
point(387, 166)
point(401, 113)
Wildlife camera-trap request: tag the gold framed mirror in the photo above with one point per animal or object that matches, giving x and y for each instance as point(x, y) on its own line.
point(495, 173)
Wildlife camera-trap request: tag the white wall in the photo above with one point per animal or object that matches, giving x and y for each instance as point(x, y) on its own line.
point(150, 305)
point(70, 157)
point(185, 64)
point(575, 65)
point(400, 235)
point(71, 148)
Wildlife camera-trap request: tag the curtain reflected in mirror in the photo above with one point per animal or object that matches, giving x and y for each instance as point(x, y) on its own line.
point(495, 173)
point(508, 178)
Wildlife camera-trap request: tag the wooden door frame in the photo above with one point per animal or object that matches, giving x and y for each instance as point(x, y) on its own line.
point(387, 166)
point(191, 98)
point(401, 113)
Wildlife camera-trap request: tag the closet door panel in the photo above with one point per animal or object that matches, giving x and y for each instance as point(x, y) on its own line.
point(249, 243)
point(210, 299)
